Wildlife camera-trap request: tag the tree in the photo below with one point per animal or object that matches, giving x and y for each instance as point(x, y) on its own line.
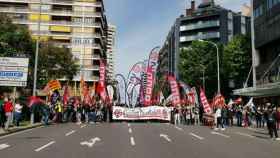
point(55, 63)
point(199, 57)
point(237, 60)
point(15, 40)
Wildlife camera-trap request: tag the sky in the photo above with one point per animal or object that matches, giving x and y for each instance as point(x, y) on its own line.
point(144, 24)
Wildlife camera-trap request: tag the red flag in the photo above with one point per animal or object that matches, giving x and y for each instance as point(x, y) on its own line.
point(33, 100)
point(66, 95)
point(238, 101)
point(204, 101)
point(176, 100)
point(101, 88)
point(218, 101)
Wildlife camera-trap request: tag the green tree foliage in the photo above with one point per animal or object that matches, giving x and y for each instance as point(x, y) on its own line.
point(237, 59)
point(199, 57)
point(53, 63)
point(14, 39)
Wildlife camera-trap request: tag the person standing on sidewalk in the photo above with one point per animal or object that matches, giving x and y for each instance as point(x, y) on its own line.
point(271, 123)
point(2, 113)
point(18, 111)
point(8, 108)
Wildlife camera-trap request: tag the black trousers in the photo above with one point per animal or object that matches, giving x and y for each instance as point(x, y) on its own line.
point(272, 129)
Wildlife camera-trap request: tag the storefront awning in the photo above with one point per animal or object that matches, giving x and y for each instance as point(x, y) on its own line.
point(267, 90)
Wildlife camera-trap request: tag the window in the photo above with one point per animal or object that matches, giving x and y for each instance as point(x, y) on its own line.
point(271, 3)
point(258, 11)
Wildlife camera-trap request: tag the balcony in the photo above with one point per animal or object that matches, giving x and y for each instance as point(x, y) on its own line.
point(59, 23)
point(14, 10)
point(56, 2)
point(200, 25)
point(204, 36)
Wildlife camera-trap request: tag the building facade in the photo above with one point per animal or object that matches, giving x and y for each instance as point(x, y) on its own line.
point(111, 43)
point(267, 55)
point(79, 25)
point(205, 22)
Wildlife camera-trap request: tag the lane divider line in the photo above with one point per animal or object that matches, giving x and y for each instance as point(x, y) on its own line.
point(196, 136)
point(69, 133)
point(132, 142)
point(220, 134)
point(180, 129)
point(130, 130)
point(128, 124)
point(44, 146)
point(245, 134)
point(4, 146)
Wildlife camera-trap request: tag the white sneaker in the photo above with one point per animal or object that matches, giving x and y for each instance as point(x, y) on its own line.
point(223, 129)
point(277, 138)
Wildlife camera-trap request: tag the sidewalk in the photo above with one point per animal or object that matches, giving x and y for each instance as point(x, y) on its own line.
point(15, 129)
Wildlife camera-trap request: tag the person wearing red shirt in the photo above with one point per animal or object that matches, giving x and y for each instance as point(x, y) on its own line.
point(8, 108)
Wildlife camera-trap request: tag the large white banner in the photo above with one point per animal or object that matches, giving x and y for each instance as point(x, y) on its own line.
point(13, 71)
point(143, 113)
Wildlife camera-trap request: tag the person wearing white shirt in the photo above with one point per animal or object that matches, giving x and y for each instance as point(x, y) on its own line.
point(18, 111)
point(218, 116)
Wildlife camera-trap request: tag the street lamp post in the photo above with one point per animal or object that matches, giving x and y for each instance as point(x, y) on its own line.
point(218, 63)
point(36, 59)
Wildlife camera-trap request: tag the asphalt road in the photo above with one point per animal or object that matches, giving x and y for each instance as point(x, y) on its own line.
point(138, 140)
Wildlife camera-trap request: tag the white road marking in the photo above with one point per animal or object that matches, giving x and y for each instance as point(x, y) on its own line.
point(132, 142)
point(91, 142)
point(245, 134)
point(44, 146)
point(69, 133)
point(180, 129)
point(83, 126)
point(165, 137)
point(220, 134)
point(4, 146)
point(24, 131)
point(130, 130)
point(128, 124)
point(196, 136)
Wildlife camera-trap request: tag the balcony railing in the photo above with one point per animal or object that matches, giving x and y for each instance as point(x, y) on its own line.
point(59, 23)
point(209, 35)
point(62, 2)
point(200, 25)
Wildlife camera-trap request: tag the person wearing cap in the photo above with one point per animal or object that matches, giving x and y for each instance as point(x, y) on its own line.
point(271, 123)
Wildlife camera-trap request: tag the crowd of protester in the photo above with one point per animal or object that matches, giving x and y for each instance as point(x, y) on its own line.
point(267, 116)
point(56, 110)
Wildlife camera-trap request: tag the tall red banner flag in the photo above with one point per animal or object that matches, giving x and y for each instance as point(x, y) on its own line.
point(176, 100)
point(204, 101)
point(149, 87)
point(101, 89)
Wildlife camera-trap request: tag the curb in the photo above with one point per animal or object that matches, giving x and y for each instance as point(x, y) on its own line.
point(20, 129)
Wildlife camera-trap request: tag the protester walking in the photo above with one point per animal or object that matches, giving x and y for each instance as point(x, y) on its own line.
point(258, 116)
point(271, 123)
point(18, 111)
point(218, 116)
point(8, 108)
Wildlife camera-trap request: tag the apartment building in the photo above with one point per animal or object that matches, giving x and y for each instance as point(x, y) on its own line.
point(111, 43)
point(207, 21)
point(79, 25)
